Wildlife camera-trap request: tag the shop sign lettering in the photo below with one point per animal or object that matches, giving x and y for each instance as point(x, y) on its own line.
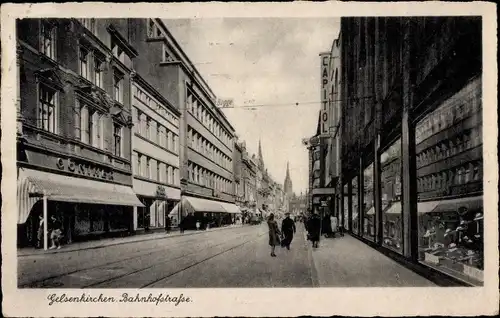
point(84, 169)
point(324, 124)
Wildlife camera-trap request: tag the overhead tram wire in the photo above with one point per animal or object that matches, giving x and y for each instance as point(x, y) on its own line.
point(291, 104)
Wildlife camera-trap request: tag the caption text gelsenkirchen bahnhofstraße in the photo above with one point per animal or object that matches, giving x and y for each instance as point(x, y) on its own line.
point(124, 298)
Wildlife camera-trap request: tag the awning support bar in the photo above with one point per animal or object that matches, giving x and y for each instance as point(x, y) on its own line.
point(45, 220)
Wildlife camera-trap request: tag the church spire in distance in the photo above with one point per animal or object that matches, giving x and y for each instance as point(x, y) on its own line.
point(288, 181)
point(260, 158)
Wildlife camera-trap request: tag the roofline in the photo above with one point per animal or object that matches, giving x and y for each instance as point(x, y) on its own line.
point(204, 87)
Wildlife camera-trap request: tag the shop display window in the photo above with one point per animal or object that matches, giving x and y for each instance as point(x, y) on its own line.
point(392, 212)
point(121, 217)
point(450, 202)
point(368, 204)
point(355, 210)
point(346, 207)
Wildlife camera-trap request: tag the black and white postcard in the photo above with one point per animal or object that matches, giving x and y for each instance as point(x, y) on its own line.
point(249, 159)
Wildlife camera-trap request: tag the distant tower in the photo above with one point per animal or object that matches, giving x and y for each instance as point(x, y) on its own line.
point(288, 182)
point(261, 158)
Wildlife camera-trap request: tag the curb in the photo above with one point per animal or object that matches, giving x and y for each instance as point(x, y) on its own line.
point(127, 242)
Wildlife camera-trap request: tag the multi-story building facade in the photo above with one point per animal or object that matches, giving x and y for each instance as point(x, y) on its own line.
point(298, 204)
point(412, 143)
point(239, 188)
point(156, 133)
point(249, 179)
point(206, 138)
point(74, 126)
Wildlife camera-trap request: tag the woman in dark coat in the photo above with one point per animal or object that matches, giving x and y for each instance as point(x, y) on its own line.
point(274, 233)
point(314, 228)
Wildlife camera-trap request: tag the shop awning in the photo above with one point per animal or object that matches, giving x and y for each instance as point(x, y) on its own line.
point(231, 208)
point(452, 205)
point(203, 205)
point(32, 185)
point(471, 203)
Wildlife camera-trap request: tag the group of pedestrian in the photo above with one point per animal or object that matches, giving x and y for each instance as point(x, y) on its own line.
point(283, 237)
point(54, 228)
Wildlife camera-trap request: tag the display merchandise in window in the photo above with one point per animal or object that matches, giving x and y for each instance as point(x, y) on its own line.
point(355, 204)
point(368, 204)
point(346, 208)
point(450, 201)
point(392, 212)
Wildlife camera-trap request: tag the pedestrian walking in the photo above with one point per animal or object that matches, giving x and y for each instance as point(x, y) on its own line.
point(288, 229)
point(55, 232)
point(314, 229)
point(274, 233)
point(198, 224)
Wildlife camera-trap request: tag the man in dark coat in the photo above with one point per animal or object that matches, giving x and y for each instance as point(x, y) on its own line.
point(288, 229)
point(314, 229)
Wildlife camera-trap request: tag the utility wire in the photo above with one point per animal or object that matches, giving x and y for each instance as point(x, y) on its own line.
point(293, 104)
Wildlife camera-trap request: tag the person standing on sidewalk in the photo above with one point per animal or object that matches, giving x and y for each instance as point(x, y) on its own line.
point(55, 232)
point(168, 224)
point(288, 229)
point(314, 229)
point(182, 225)
point(274, 234)
point(39, 234)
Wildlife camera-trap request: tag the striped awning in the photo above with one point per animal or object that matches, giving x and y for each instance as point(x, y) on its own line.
point(203, 205)
point(32, 185)
point(230, 208)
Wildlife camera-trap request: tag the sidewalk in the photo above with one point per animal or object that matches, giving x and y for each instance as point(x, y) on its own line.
point(94, 244)
point(347, 262)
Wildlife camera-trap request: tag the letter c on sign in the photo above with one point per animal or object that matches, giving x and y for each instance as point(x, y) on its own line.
point(60, 163)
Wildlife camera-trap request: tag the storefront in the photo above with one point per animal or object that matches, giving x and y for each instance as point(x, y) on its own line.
point(441, 227)
point(85, 207)
point(158, 201)
point(209, 213)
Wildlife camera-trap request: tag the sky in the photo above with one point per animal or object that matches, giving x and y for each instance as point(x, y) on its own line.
point(264, 61)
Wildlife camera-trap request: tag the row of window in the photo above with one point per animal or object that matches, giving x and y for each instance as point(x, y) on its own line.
point(156, 170)
point(153, 104)
point(207, 178)
point(91, 63)
point(203, 146)
point(91, 66)
point(452, 111)
point(199, 110)
point(89, 123)
point(469, 172)
point(155, 132)
point(89, 127)
point(447, 148)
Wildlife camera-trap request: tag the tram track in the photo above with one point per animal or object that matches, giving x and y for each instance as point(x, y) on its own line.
point(180, 257)
point(200, 262)
point(149, 253)
point(54, 281)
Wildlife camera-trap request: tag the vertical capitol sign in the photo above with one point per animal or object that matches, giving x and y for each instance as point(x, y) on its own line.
point(324, 112)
